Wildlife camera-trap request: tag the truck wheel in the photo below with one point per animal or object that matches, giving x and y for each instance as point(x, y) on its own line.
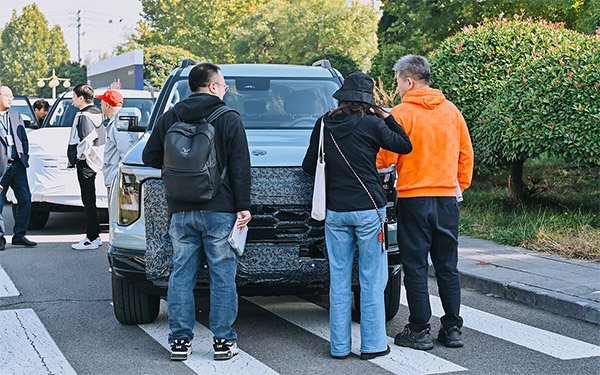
point(391, 297)
point(132, 306)
point(37, 218)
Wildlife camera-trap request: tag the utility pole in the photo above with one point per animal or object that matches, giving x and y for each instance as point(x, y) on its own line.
point(79, 36)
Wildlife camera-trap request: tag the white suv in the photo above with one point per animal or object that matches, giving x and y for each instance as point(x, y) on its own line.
point(54, 187)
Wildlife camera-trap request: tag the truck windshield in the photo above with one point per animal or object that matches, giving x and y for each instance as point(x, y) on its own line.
point(268, 103)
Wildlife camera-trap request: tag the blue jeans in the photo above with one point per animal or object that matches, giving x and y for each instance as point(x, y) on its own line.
point(195, 235)
point(343, 231)
point(16, 178)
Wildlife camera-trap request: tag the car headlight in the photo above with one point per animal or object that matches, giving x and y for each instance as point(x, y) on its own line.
point(129, 197)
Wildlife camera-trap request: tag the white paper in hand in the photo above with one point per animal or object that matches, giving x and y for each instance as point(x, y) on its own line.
point(237, 240)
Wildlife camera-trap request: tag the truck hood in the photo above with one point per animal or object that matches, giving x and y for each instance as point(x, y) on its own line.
point(268, 147)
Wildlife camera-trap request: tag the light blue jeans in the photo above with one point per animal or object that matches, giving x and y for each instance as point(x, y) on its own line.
point(198, 234)
point(343, 231)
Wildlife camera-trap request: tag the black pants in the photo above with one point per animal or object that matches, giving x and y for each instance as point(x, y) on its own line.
point(87, 181)
point(430, 225)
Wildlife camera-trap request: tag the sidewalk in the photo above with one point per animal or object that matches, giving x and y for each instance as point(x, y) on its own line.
point(551, 283)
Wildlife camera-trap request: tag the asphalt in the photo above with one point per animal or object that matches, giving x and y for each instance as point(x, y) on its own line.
point(551, 283)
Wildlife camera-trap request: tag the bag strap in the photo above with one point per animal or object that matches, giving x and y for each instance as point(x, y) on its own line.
point(321, 151)
point(361, 183)
point(212, 117)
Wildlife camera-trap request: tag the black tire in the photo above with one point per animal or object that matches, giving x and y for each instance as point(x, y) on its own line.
point(131, 305)
point(38, 218)
point(391, 297)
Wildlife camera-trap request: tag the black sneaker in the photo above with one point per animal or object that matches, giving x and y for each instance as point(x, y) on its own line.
point(376, 354)
point(181, 349)
point(224, 349)
point(452, 337)
point(416, 340)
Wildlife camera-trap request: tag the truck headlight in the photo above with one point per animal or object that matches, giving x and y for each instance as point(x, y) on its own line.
point(129, 197)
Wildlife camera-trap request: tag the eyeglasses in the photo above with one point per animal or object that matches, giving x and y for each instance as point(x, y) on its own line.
point(222, 84)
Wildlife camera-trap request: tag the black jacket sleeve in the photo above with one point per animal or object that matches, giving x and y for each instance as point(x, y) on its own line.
point(309, 164)
point(393, 138)
point(238, 158)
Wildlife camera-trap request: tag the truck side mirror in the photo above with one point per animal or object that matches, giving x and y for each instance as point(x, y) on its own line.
point(129, 123)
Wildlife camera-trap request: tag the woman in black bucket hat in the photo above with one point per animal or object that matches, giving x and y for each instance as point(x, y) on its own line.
point(355, 200)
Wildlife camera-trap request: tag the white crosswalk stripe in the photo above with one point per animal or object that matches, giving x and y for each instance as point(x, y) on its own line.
point(7, 288)
point(26, 346)
point(315, 319)
point(202, 361)
point(537, 339)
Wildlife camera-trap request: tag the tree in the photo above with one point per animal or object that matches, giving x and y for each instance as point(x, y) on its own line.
point(159, 62)
point(75, 72)
point(419, 26)
point(344, 64)
point(510, 79)
point(29, 50)
point(287, 32)
point(203, 28)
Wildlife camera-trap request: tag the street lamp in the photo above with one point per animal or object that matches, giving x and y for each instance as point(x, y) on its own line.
point(54, 82)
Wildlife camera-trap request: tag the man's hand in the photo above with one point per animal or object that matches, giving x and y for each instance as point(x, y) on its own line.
point(243, 219)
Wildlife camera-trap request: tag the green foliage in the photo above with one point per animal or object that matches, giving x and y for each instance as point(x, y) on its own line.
point(75, 72)
point(420, 26)
point(29, 50)
point(510, 79)
point(286, 31)
point(344, 64)
point(563, 219)
point(203, 28)
point(159, 62)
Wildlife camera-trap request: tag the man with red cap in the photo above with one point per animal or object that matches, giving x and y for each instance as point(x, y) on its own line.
point(117, 143)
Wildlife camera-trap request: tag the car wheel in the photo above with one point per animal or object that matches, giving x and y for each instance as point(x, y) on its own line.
point(131, 305)
point(391, 297)
point(38, 218)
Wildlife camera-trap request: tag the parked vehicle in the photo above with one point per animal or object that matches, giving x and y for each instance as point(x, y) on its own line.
point(285, 252)
point(54, 187)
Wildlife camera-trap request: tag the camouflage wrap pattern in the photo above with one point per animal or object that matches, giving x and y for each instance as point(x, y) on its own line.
point(285, 246)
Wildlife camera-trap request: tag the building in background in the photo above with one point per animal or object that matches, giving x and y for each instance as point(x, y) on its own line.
point(125, 71)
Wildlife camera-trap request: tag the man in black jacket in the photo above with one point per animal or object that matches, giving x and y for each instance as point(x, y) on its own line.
point(200, 229)
point(14, 160)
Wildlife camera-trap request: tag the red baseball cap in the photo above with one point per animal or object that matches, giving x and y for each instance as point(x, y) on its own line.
point(112, 97)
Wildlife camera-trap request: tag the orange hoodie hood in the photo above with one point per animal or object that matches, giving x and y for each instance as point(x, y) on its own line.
point(424, 97)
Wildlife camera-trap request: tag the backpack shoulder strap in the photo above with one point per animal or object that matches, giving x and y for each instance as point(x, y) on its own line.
point(218, 112)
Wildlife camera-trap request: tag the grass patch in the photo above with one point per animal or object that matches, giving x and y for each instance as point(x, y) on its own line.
point(561, 216)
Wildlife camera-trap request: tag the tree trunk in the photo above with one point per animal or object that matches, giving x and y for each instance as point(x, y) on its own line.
point(515, 182)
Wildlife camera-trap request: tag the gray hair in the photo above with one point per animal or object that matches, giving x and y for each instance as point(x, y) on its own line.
point(416, 67)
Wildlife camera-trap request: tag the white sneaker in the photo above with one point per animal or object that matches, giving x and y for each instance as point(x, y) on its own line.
point(98, 241)
point(85, 244)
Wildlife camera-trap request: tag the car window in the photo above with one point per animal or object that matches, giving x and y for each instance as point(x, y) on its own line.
point(266, 103)
point(21, 106)
point(64, 111)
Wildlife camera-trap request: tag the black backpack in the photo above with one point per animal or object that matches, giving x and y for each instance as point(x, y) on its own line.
point(190, 171)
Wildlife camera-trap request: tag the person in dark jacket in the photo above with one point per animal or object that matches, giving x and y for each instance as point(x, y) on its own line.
point(355, 210)
point(200, 229)
point(14, 161)
point(85, 152)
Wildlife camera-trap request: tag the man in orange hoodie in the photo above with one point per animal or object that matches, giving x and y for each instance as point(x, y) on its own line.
point(431, 180)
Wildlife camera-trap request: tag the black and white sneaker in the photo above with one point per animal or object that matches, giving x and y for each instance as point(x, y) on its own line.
point(224, 349)
point(181, 349)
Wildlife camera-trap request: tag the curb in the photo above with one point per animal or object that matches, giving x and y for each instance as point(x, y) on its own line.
point(539, 298)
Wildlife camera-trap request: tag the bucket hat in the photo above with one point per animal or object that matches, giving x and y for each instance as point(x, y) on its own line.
point(357, 87)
